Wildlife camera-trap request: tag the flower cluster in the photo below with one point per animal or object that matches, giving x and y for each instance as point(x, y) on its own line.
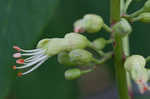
point(70, 50)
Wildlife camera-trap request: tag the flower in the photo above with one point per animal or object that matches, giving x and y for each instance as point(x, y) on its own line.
point(47, 48)
point(35, 58)
point(122, 28)
point(135, 65)
point(90, 23)
point(141, 79)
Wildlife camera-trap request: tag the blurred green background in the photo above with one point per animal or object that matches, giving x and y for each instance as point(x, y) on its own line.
point(25, 22)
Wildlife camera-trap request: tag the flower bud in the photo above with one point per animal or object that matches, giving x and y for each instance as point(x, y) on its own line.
point(122, 28)
point(72, 74)
point(134, 62)
point(63, 58)
point(80, 56)
point(76, 41)
point(92, 23)
point(52, 46)
point(75, 73)
point(147, 6)
point(43, 43)
point(99, 43)
point(78, 26)
point(144, 17)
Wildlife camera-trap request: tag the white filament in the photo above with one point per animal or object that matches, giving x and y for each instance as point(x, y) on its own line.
point(35, 53)
point(32, 63)
point(35, 67)
point(34, 58)
point(34, 50)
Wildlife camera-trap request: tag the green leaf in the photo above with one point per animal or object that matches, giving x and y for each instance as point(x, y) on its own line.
point(21, 23)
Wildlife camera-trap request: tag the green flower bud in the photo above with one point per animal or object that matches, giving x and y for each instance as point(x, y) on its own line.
point(144, 17)
point(43, 43)
point(80, 56)
point(76, 41)
point(122, 28)
point(79, 26)
point(69, 42)
point(52, 46)
point(147, 6)
point(63, 58)
point(78, 23)
point(92, 23)
point(99, 43)
point(72, 74)
point(134, 62)
point(75, 73)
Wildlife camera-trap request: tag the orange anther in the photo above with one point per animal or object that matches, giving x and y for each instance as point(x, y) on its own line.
point(19, 74)
point(20, 61)
point(14, 67)
point(145, 88)
point(17, 48)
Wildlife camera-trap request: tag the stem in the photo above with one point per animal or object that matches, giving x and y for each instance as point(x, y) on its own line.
point(101, 52)
point(126, 46)
point(136, 19)
point(110, 41)
point(148, 59)
point(135, 14)
point(127, 53)
point(128, 2)
point(107, 28)
point(118, 51)
point(106, 57)
point(86, 71)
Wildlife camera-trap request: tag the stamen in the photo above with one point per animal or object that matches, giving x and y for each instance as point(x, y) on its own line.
point(14, 67)
point(36, 66)
point(20, 61)
point(17, 48)
point(34, 58)
point(19, 74)
point(34, 50)
point(145, 88)
point(35, 53)
point(32, 63)
point(17, 55)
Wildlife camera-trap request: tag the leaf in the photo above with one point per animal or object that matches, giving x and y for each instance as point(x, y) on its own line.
point(21, 23)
